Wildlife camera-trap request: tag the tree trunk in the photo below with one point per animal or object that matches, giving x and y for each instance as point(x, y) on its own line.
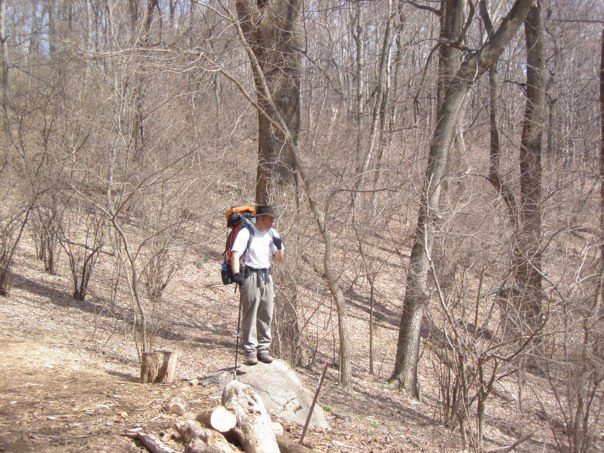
point(494, 176)
point(345, 355)
point(4, 56)
point(378, 108)
point(601, 297)
point(272, 32)
point(286, 342)
point(359, 40)
point(449, 59)
point(416, 294)
point(52, 27)
point(527, 254)
point(270, 109)
point(451, 25)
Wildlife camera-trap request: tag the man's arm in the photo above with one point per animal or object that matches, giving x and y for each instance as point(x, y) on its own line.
point(277, 246)
point(239, 246)
point(235, 262)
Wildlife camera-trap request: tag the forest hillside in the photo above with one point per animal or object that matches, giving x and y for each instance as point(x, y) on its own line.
point(436, 169)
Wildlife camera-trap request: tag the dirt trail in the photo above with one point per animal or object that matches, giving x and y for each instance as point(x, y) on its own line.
point(51, 401)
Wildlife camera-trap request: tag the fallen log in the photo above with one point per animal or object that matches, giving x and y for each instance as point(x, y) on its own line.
point(218, 418)
point(158, 366)
point(150, 441)
point(254, 429)
point(199, 439)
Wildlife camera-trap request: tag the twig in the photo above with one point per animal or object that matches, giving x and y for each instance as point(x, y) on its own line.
point(314, 401)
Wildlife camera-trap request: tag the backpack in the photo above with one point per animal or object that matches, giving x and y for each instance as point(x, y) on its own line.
point(236, 218)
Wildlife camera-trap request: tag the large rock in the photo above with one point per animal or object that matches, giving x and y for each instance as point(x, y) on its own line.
point(283, 393)
point(281, 390)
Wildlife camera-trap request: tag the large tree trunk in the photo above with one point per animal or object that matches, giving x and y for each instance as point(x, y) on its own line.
point(416, 295)
point(449, 59)
point(267, 106)
point(272, 32)
point(527, 253)
point(449, 55)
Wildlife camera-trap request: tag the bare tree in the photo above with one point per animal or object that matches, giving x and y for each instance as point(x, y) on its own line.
point(494, 175)
point(272, 30)
point(46, 226)
point(472, 359)
point(417, 294)
point(601, 298)
point(528, 247)
point(4, 55)
point(11, 231)
point(82, 238)
point(270, 109)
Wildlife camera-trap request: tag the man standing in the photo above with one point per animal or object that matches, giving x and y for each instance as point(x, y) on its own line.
point(251, 271)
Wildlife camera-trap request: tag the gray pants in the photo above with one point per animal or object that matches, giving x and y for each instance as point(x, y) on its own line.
point(257, 310)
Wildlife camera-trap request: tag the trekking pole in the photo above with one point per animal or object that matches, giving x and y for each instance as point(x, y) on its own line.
point(237, 344)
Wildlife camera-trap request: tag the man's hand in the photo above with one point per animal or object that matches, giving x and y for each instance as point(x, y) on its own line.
point(278, 242)
point(238, 279)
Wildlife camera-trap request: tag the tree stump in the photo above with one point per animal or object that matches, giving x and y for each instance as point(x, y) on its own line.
point(254, 429)
point(218, 418)
point(158, 366)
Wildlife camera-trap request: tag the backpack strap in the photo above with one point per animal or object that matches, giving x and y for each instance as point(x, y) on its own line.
point(246, 223)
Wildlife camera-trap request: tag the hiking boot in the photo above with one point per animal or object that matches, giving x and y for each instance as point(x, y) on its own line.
point(265, 357)
point(251, 359)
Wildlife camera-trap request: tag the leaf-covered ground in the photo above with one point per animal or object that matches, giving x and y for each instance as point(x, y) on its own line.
point(69, 372)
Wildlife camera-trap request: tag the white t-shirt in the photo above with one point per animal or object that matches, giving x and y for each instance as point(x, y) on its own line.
point(261, 248)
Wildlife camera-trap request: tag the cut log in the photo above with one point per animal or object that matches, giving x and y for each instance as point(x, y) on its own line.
point(199, 439)
point(254, 428)
point(158, 366)
point(150, 442)
point(218, 418)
